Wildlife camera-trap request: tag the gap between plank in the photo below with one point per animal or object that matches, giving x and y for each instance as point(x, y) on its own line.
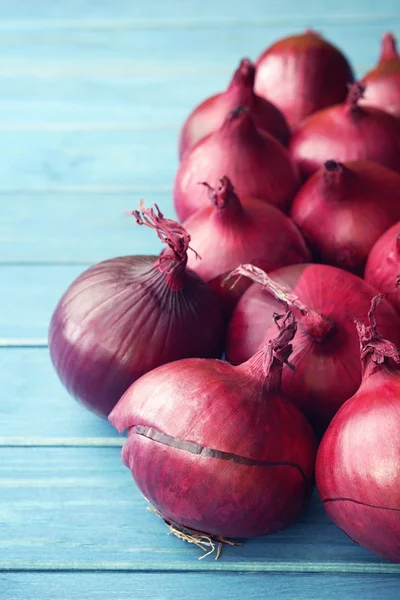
point(210, 566)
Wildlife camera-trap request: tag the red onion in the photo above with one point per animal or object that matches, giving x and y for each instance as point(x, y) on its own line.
point(230, 231)
point(383, 82)
point(383, 266)
point(211, 113)
point(215, 448)
point(358, 462)
point(325, 349)
point(345, 132)
point(257, 164)
point(344, 208)
point(125, 316)
point(301, 74)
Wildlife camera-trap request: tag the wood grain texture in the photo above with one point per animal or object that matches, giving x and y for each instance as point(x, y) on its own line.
point(33, 403)
point(197, 586)
point(92, 96)
point(78, 508)
point(76, 227)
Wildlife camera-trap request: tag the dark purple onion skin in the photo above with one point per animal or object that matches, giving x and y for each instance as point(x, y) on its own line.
point(383, 81)
point(328, 369)
point(358, 461)
point(211, 113)
point(344, 208)
point(215, 448)
point(256, 163)
point(346, 132)
point(383, 265)
point(302, 74)
point(123, 317)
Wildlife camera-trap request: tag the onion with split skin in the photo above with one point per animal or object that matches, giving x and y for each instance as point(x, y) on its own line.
point(216, 449)
point(344, 208)
point(125, 316)
point(326, 300)
point(211, 113)
point(346, 132)
point(383, 82)
point(302, 74)
point(233, 230)
point(258, 166)
point(358, 461)
point(383, 266)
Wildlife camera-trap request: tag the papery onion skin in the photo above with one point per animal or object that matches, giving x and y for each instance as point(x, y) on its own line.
point(383, 265)
point(383, 82)
point(344, 208)
point(215, 448)
point(232, 230)
point(346, 132)
point(302, 74)
point(358, 461)
point(125, 316)
point(211, 113)
point(256, 163)
point(325, 348)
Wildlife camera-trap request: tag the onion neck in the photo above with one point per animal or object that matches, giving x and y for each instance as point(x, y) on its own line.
point(227, 205)
point(376, 352)
point(172, 261)
point(388, 48)
point(239, 123)
point(244, 76)
point(335, 177)
point(266, 365)
point(316, 326)
point(355, 94)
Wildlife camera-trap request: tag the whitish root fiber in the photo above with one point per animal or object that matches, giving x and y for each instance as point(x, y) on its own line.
point(206, 543)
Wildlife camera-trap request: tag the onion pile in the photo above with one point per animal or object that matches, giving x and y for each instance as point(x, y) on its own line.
point(325, 348)
point(226, 448)
point(345, 132)
point(125, 316)
point(383, 266)
point(344, 208)
point(201, 425)
point(383, 82)
point(258, 166)
point(211, 113)
point(230, 231)
point(358, 462)
point(301, 74)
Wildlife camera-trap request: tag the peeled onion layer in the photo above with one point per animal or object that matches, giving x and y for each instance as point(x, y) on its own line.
point(215, 449)
point(327, 364)
point(383, 266)
point(302, 74)
point(347, 132)
point(358, 461)
point(211, 113)
point(257, 165)
point(344, 208)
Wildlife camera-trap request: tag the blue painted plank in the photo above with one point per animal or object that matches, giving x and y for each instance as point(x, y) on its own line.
point(197, 586)
point(19, 10)
point(74, 508)
point(29, 296)
point(34, 404)
point(124, 51)
point(102, 101)
point(106, 158)
point(75, 226)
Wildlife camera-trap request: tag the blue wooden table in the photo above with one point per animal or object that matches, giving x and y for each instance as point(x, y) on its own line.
point(92, 94)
